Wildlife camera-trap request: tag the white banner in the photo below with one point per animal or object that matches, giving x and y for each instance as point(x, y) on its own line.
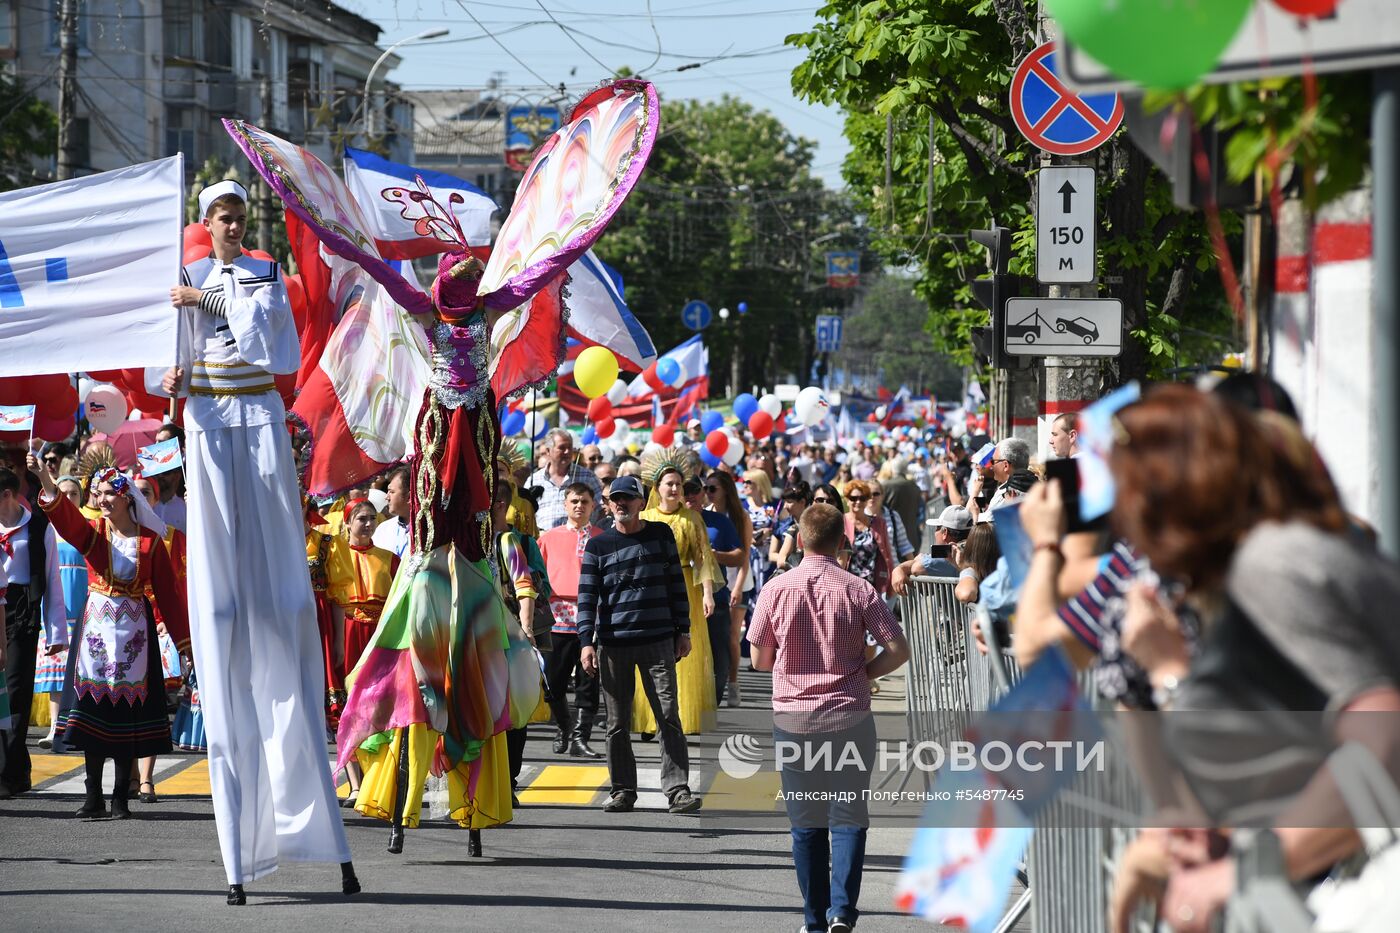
point(86, 268)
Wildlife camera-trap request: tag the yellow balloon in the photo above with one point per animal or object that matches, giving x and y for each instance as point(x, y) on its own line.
point(595, 371)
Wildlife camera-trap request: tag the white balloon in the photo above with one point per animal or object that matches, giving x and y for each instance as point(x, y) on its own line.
point(106, 408)
point(618, 392)
point(733, 453)
point(608, 451)
point(772, 405)
point(620, 434)
point(652, 448)
point(681, 376)
point(85, 385)
point(811, 406)
point(536, 425)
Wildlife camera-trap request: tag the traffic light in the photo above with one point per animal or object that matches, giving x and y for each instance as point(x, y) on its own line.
point(991, 292)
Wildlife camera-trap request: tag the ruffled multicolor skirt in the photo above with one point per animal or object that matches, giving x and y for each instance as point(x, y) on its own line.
point(448, 670)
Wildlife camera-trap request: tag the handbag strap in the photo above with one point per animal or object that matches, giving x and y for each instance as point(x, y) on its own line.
point(1370, 794)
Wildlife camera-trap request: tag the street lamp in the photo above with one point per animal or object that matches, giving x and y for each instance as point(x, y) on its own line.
point(369, 111)
point(724, 314)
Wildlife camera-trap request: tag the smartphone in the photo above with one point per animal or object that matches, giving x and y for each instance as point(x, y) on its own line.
point(944, 551)
point(1066, 471)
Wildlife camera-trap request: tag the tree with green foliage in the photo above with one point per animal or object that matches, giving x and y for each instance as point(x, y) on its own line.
point(885, 335)
point(935, 153)
point(28, 131)
point(728, 211)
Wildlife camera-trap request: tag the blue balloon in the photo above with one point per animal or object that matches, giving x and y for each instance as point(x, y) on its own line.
point(744, 407)
point(709, 459)
point(668, 370)
point(590, 435)
point(711, 421)
point(743, 307)
point(922, 451)
point(513, 423)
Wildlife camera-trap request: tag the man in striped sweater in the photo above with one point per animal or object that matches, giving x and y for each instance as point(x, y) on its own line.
point(633, 616)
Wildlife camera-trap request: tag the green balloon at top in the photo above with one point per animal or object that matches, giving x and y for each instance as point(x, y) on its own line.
point(1165, 44)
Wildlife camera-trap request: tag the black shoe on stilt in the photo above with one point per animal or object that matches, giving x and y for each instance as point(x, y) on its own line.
point(349, 884)
point(120, 808)
point(236, 897)
point(396, 840)
point(474, 843)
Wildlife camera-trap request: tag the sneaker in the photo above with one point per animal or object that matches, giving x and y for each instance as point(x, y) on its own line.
point(620, 802)
point(735, 695)
point(838, 925)
point(684, 802)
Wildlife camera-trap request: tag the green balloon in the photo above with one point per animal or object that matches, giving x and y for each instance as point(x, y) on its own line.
point(1166, 44)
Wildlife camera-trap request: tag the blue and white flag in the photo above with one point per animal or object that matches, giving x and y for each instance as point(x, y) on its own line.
point(86, 267)
point(161, 457)
point(598, 314)
point(385, 190)
point(17, 417)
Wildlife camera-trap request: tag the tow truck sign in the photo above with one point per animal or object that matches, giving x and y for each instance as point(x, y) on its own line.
point(1064, 326)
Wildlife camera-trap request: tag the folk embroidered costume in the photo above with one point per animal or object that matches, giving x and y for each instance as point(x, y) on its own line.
point(359, 584)
point(695, 677)
point(115, 705)
point(253, 616)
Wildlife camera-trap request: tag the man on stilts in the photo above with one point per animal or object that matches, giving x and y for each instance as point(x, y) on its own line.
point(252, 614)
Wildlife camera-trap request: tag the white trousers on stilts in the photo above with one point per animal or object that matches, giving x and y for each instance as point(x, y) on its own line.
point(258, 653)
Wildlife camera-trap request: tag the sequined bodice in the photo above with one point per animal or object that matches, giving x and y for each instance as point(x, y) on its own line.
point(459, 362)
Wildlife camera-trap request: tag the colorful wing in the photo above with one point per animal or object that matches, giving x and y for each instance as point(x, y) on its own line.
point(576, 183)
point(317, 195)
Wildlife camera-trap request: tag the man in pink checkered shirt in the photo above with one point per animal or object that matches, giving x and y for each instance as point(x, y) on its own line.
point(809, 629)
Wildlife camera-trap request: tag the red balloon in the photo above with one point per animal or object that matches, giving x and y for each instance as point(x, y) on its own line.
point(760, 425)
point(605, 427)
point(197, 235)
point(781, 423)
point(1308, 7)
point(664, 434)
point(717, 442)
point(599, 408)
point(259, 254)
point(653, 380)
point(54, 429)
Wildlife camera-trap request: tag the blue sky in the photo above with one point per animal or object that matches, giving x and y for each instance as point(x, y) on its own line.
point(739, 44)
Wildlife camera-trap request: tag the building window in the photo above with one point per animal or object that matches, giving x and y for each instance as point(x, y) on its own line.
point(7, 25)
point(178, 25)
point(180, 133)
point(56, 24)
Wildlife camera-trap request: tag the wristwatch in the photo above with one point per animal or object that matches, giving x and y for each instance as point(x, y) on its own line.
point(1163, 696)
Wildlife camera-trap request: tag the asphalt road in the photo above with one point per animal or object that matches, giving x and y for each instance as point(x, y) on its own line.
point(562, 864)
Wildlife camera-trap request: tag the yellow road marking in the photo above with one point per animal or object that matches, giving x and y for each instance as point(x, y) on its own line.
point(191, 782)
point(757, 794)
point(565, 784)
point(47, 767)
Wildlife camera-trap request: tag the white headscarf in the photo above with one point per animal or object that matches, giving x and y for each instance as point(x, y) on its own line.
point(141, 509)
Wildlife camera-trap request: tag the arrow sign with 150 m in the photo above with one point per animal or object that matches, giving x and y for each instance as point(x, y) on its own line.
point(1064, 225)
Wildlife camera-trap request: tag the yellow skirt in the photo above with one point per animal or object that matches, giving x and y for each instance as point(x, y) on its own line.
point(491, 806)
point(695, 678)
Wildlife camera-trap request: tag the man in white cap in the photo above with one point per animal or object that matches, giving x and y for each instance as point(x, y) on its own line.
point(950, 528)
point(253, 621)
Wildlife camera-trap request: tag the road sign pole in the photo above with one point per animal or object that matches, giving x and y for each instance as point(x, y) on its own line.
point(1385, 297)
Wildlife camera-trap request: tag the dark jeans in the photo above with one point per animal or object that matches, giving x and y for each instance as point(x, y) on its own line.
point(21, 646)
point(828, 836)
point(719, 624)
point(563, 663)
point(657, 663)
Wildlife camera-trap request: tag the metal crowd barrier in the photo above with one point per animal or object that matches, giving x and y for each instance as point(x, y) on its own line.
point(1069, 868)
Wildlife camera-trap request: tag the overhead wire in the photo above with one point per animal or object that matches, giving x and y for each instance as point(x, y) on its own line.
point(581, 47)
point(504, 48)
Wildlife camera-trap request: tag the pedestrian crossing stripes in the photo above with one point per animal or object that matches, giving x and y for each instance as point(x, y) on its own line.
point(547, 784)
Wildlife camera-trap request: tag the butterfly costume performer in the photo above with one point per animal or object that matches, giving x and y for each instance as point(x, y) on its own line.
point(448, 669)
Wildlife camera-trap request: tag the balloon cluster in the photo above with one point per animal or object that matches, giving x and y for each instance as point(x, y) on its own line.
point(665, 373)
point(760, 415)
point(54, 398)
